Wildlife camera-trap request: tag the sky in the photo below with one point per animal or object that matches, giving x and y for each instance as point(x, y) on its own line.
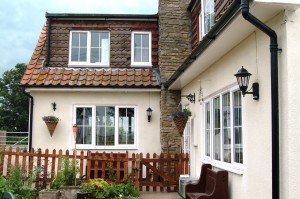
point(21, 21)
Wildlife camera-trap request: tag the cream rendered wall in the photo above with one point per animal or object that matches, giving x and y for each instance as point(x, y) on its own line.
point(148, 132)
point(289, 106)
point(253, 53)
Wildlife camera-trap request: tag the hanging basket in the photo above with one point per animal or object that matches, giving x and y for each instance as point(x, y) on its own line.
point(51, 127)
point(180, 124)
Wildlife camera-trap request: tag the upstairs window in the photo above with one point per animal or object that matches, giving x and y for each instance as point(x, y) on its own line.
point(206, 17)
point(89, 48)
point(141, 49)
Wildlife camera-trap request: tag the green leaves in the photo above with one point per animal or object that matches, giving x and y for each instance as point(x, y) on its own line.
point(14, 105)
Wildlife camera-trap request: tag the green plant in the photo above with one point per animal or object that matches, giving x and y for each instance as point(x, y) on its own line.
point(184, 113)
point(58, 181)
point(69, 171)
point(50, 118)
point(99, 184)
point(87, 188)
point(20, 184)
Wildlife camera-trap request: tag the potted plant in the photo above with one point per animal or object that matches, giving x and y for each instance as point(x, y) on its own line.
point(86, 191)
point(180, 118)
point(51, 122)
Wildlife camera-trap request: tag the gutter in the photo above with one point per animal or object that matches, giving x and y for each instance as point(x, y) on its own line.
point(230, 13)
point(274, 94)
point(30, 118)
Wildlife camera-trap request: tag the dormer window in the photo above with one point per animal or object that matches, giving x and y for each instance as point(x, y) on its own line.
point(141, 49)
point(206, 17)
point(89, 48)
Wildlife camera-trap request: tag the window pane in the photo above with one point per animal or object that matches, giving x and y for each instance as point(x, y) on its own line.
point(226, 127)
point(217, 130)
point(104, 50)
point(209, 15)
point(75, 54)
point(145, 41)
point(83, 39)
point(126, 125)
point(75, 39)
point(141, 48)
point(105, 129)
point(237, 125)
point(137, 55)
point(83, 53)
point(145, 55)
point(95, 52)
point(95, 39)
point(207, 129)
point(84, 123)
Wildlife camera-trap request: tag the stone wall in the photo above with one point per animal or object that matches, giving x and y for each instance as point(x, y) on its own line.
point(174, 47)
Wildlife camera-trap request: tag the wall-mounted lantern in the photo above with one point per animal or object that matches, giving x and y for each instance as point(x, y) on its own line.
point(190, 97)
point(243, 77)
point(149, 113)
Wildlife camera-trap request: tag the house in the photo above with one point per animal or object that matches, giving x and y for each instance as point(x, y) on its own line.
point(253, 137)
point(197, 48)
point(99, 72)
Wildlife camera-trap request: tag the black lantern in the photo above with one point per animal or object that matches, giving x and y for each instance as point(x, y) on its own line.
point(243, 77)
point(149, 113)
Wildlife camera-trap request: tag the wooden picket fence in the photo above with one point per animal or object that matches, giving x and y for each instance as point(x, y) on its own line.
point(159, 171)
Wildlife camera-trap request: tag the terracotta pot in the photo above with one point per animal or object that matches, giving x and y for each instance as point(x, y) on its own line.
point(51, 127)
point(180, 124)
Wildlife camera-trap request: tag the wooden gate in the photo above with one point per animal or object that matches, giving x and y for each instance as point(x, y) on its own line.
point(161, 171)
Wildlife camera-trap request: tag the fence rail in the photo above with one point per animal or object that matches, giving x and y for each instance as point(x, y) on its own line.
point(159, 171)
point(14, 139)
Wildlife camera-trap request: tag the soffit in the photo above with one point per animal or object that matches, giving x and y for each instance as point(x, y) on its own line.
point(235, 32)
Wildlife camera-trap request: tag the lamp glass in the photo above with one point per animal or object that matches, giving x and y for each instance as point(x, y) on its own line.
point(243, 77)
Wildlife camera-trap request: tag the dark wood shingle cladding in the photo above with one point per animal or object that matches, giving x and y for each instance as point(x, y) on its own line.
point(120, 30)
point(195, 8)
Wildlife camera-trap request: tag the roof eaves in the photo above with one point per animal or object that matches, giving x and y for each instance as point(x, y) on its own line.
point(99, 16)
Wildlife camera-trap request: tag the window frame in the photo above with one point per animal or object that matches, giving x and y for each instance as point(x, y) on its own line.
point(149, 63)
point(202, 17)
point(88, 61)
point(116, 132)
point(232, 166)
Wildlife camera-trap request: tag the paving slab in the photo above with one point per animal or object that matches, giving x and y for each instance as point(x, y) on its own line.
point(159, 195)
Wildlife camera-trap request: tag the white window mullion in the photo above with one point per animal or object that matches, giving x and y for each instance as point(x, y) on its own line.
point(117, 125)
point(93, 125)
point(232, 126)
point(221, 130)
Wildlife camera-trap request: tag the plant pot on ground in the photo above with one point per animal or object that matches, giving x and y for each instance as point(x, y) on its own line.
point(49, 194)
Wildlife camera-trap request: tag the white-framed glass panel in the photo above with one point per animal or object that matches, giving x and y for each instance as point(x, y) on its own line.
point(206, 17)
point(126, 125)
point(237, 126)
point(89, 48)
point(209, 15)
point(105, 126)
point(216, 129)
point(226, 115)
point(141, 48)
point(223, 132)
point(207, 129)
point(84, 122)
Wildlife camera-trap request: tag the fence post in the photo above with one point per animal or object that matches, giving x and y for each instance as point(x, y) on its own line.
point(2, 138)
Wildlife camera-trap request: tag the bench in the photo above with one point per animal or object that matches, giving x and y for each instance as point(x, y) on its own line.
point(211, 185)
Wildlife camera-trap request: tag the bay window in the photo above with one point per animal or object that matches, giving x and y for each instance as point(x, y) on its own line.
point(223, 137)
point(105, 126)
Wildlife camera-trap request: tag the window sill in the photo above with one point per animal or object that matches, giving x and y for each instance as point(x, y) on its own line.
point(106, 147)
point(141, 65)
point(231, 169)
point(87, 65)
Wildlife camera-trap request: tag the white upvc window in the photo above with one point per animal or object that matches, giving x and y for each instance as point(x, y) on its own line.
point(89, 48)
point(105, 127)
point(141, 49)
point(206, 17)
point(223, 132)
